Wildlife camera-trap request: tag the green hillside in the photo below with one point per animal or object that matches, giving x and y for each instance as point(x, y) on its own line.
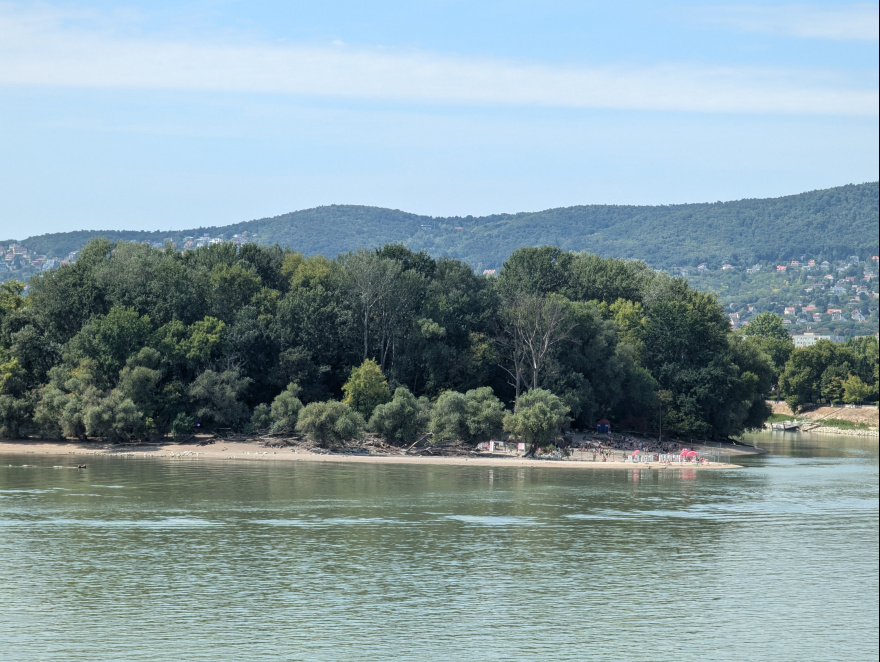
point(828, 224)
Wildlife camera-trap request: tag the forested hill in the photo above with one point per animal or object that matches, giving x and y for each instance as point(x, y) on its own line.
point(828, 224)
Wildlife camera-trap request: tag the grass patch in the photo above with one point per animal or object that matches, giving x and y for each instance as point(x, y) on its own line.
point(844, 425)
point(778, 418)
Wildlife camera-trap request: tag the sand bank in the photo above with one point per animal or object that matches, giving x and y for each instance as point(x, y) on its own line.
point(251, 451)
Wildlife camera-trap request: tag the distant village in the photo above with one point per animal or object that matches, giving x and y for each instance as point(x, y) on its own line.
point(807, 294)
point(815, 299)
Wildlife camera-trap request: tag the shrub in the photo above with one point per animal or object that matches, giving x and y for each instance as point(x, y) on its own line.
point(114, 417)
point(448, 417)
point(484, 414)
point(538, 418)
point(261, 417)
point(330, 422)
point(182, 426)
point(473, 416)
point(285, 409)
point(402, 420)
point(216, 398)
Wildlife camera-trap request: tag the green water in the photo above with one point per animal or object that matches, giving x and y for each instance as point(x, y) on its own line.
point(135, 559)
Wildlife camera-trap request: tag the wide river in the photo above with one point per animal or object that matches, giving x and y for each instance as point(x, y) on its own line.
point(183, 559)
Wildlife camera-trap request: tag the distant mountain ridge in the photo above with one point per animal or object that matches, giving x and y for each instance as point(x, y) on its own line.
point(829, 224)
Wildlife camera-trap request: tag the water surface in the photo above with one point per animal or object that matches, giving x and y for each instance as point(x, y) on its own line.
point(183, 559)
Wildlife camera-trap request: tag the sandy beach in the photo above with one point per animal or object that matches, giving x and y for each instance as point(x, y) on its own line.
point(254, 451)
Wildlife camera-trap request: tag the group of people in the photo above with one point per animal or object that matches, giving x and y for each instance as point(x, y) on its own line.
point(603, 449)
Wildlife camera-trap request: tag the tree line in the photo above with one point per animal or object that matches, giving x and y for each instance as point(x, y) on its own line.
point(132, 342)
point(823, 373)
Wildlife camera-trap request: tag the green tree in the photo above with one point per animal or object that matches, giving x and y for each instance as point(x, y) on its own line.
point(767, 325)
point(449, 417)
point(801, 381)
point(767, 333)
point(366, 389)
point(856, 391)
point(484, 414)
point(371, 280)
point(476, 415)
point(403, 419)
point(285, 409)
point(109, 340)
point(114, 417)
point(538, 418)
point(330, 423)
point(217, 399)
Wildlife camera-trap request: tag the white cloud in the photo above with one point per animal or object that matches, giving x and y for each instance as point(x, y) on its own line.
point(39, 49)
point(856, 22)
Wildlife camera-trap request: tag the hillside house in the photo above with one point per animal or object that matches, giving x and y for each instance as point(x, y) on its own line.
point(789, 310)
point(781, 268)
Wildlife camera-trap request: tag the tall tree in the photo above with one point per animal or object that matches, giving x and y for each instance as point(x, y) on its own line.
point(371, 280)
point(533, 326)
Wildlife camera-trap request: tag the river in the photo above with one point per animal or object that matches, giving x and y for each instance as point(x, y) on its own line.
point(139, 559)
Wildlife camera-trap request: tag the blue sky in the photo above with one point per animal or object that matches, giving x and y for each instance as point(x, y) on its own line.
point(179, 114)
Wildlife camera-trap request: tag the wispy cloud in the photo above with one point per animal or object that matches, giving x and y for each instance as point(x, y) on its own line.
point(855, 22)
point(44, 50)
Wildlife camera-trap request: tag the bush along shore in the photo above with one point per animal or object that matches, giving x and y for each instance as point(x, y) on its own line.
point(136, 344)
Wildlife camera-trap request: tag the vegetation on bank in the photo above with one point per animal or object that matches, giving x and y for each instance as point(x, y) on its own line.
point(842, 424)
point(827, 372)
point(131, 342)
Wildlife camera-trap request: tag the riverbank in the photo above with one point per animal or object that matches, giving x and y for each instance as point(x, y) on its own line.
point(256, 451)
point(843, 421)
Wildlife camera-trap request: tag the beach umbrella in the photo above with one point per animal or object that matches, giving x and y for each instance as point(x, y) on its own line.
point(684, 451)
point(691, 454)
point(635, 452)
